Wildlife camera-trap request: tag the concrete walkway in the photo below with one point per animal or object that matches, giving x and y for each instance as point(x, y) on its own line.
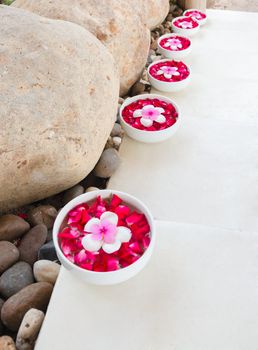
point(199, 291)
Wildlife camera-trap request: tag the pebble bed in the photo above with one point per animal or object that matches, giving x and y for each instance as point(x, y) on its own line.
point(28, 263)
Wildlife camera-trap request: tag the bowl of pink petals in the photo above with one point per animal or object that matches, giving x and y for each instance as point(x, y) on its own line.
point(150, 118)
point(185, 25)
point(104, 237)
point(169, 75)
point(174, 46)
point(196, 15)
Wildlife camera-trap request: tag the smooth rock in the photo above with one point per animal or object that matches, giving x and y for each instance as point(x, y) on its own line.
point(46, 271)
point(107, 164)
point(1, 325)
point(15, 278)
point(119, 25)
point(9, 254)
point(72, 193)
point(58, 100)
point(117, 141)
point(117, 130)
point(121, 100)
point(154, 10)
point(12, 227)
point(6, 343)
point(48, 252)
point(32, 242)
point(137, 89)
point(36, 296)
point(92, 188)
point(29, 329)
point(43, 214)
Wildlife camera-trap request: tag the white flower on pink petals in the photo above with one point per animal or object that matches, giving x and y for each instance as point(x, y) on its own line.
point(149, 114)
point(168, 72)
point(104, 233)
point(173, 43)
point(185, 25)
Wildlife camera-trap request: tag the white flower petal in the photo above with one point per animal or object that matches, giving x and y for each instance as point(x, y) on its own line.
point(168, 76)
point(167, 44)
point(124, 234)
point(90, 244)
point(110, 216)
point(148, 107)
point(161, 119)
point(159, 72)
point(137, 113)
point(91, 222)
point(110, 248)
point(160, 109)
point(176, 73)
point(146, 122)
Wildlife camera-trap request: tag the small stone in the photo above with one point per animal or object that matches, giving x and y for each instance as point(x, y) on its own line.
point(1, 325)
point(6, 343)
point(137, 88)
point(169, 17)
point(46, 271)
point(12, 227)
point(48, 252)
point(9, 254)
point(29, 329)
point(167, 25)
point(109, 143)
point(107, 164)
point(117, 141)
point(72, 193)
point(43, 214)
point(36, 296)
point(92, 188)
point(31, 243)
point(121, 100)
point(167, 31)
point(145, 74)
point(154, 45)
point(49, 235)
point(117, 130)
point(15, 278)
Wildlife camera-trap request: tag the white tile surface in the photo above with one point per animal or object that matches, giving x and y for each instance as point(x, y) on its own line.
point(208, 173)
point(199, 292)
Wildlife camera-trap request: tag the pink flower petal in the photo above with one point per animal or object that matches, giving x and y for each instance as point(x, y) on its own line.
point(110, 216)
point(90, 223)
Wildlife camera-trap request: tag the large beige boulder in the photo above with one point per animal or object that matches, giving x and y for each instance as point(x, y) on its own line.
point(117, 23)
point(58, 100)
point(155, 11)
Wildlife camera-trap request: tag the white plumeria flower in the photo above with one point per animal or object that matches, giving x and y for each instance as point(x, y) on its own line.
point(149, 114)
point(186, 25)
point(173, 43)
point(104, 233)
point(168, 72)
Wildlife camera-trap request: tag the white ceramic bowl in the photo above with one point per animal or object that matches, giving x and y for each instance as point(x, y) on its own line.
point(185, 32)
point(201, 21)
point(149, 136)
point(167, 86)
point(175, 55)
point(111, 277)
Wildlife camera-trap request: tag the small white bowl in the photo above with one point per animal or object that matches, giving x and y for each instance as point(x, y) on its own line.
point(110, 277)
point(201, 21)
point(186, 32)
point(149, 136)
point(175, 55)
point(168, 86)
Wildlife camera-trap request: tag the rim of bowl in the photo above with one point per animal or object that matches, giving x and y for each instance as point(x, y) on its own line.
point(74, 202)
point(145, 96)
point(168, 82)
point(175, 19)
point(197, 11)
point(171, 35)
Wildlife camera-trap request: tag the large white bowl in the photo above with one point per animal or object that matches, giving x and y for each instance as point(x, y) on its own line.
point(168, 86)
point(111, 277)
point(149, 136)
point(201, 21)
point(175, 55)
point(182, 31)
